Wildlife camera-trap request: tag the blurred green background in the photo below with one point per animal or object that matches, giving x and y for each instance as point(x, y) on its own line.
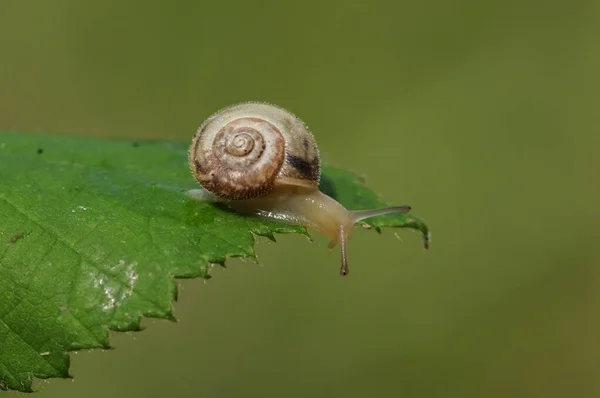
point(482, 115)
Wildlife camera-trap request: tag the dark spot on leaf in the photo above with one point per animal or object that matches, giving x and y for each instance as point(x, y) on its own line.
point(16, 237)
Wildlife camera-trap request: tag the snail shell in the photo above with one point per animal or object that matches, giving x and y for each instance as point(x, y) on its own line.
point(243, 151)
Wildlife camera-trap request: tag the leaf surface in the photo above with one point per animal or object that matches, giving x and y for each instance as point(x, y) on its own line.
point(93, 233)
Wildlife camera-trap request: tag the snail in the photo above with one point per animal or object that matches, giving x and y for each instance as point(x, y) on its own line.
point(261, 160)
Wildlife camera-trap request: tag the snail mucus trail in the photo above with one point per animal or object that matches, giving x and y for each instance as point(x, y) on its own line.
point(261, 160)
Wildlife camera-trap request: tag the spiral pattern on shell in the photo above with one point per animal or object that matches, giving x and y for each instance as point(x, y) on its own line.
point(242, 151)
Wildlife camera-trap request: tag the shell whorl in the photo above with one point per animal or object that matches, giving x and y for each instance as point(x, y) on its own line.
point(242, 151)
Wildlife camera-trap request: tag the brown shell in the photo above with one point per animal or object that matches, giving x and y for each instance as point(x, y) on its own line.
point(242, 151)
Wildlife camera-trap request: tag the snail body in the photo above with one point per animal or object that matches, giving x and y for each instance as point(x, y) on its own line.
point(261, 160)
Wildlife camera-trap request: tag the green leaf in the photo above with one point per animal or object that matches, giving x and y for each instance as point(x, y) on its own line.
point(92, 233)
